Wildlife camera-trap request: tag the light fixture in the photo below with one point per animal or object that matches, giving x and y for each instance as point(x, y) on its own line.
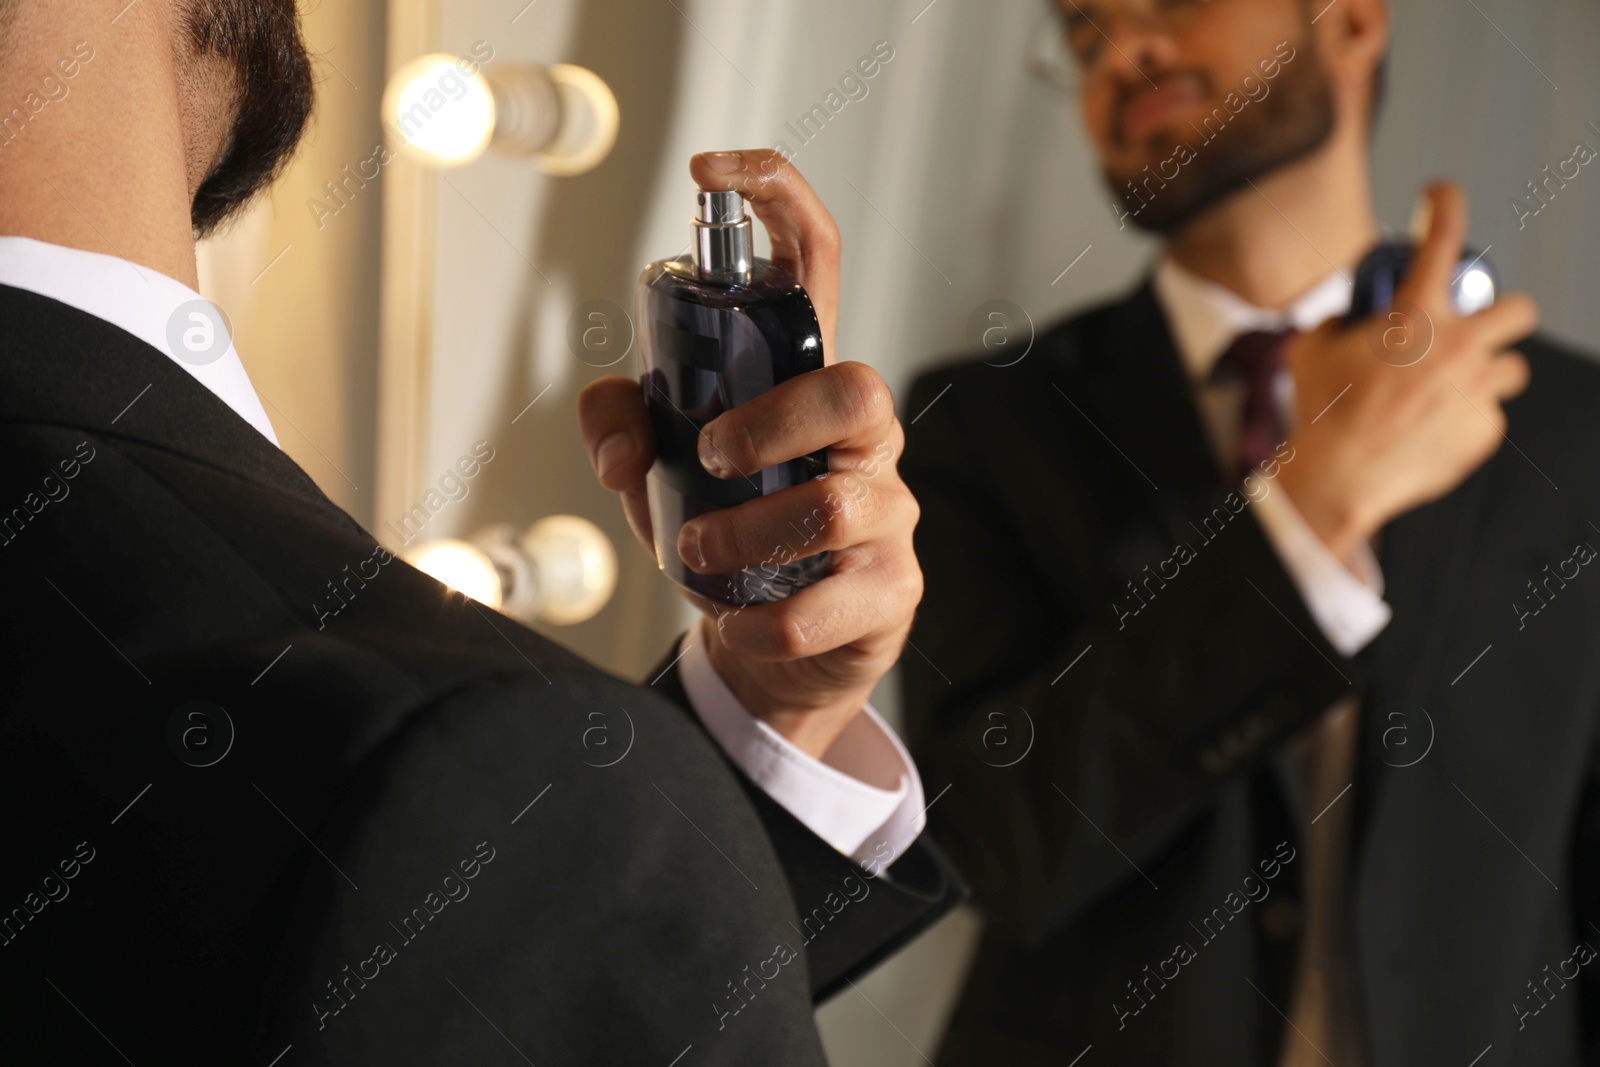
point(445, 110)
point(464, 567)
point(561, 570)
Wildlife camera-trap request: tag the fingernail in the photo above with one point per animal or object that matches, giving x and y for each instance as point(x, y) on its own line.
point(614, 451)
point(724, 162)
point(689, 547)
point(712, 459)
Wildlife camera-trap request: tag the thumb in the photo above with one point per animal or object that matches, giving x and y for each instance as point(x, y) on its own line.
point(1433, 267)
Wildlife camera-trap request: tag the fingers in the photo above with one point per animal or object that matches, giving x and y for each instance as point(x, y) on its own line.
point(805, 240)
point(1303, 345)
point(1507, 375)
point(866, 603)
point(1507, 320)
point(616, 430)
point(825, 514)
point(1433, 267)
point(844, 406)
point(616, 433)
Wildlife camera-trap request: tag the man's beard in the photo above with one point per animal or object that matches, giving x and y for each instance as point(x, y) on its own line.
point(1293, 120)
point(260, 40)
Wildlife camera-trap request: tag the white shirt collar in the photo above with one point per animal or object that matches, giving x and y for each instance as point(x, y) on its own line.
point(1205, 318)
point(160, 311)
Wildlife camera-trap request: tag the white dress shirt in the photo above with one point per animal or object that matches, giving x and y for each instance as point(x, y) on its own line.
point(149, 305)
point(1344, 597)
point(864, 797)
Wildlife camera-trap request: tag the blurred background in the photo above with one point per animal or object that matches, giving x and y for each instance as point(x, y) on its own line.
point(392, 322)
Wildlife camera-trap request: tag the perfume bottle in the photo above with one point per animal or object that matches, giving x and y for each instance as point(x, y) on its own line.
point(717, 328)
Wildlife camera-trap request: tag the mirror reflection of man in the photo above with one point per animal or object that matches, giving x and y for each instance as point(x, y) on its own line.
point(1300, 787)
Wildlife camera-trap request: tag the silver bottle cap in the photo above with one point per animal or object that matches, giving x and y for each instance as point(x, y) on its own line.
point(723, 244)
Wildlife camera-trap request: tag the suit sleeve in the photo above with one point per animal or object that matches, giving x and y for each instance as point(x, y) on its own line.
point(1586, 872)
point(897, 903)
point(1079, 744)
point(491, 879)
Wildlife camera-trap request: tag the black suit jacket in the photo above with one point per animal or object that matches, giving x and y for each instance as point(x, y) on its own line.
point(1117, 799)
point(399, 841)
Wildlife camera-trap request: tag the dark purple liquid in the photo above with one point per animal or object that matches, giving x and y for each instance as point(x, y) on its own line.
point(709, 347)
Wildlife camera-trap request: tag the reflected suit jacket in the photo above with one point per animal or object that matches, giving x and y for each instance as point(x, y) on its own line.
point(243, 828)
point(1115, 750)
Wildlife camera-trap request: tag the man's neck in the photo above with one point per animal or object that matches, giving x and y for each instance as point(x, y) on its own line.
point(101, 168)
point(1271, 242)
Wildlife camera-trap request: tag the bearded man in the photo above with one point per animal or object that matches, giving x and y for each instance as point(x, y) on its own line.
point(242, 828)
point(1264, 645)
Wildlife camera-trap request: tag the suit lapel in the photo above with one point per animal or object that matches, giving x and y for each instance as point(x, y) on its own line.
point(1423, 554)
point(1420, 552)
point(1135, 392)
point(1130, 355)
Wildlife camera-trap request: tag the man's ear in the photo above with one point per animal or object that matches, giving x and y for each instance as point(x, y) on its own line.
point(1353, 38)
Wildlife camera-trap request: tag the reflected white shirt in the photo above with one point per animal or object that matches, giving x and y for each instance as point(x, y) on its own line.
point(1345, 600)
point(864, 797)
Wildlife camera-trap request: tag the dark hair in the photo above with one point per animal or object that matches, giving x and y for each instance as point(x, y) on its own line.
point(261, 40)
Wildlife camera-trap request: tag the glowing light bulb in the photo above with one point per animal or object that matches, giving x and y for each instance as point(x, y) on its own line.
point(441, 108)
point(589, 121)
point(463, 567)
point(444, 110)
point(576, 564)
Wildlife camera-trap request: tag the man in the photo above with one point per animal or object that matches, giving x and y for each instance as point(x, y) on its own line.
point(1249, 762)
point(245, 826)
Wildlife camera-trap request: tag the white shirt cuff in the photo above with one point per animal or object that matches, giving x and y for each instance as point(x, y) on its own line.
point(1346, 601)
point(864, 797)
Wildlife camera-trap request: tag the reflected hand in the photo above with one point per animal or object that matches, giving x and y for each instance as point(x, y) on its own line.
point(1422, 393)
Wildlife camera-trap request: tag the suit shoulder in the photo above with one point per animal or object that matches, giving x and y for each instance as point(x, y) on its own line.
point(1551, 424)
point(1563, 375)
point(1070, 344)
point(564, 716)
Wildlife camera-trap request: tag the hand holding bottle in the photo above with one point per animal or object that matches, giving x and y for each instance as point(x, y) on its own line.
point(1384, 428)
point(805, 664)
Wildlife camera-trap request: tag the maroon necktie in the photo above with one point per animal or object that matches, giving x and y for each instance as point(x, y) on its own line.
point(1255, 358)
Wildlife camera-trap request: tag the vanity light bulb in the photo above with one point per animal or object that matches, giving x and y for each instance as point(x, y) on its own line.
point(444, 111)
point(463, 567)
point(440, 110)
point(576, 564)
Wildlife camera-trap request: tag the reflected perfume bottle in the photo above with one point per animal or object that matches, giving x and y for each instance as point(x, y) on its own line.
point(717, 328)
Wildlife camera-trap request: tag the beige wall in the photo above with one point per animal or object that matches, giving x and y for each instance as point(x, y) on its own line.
point(302, 291)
